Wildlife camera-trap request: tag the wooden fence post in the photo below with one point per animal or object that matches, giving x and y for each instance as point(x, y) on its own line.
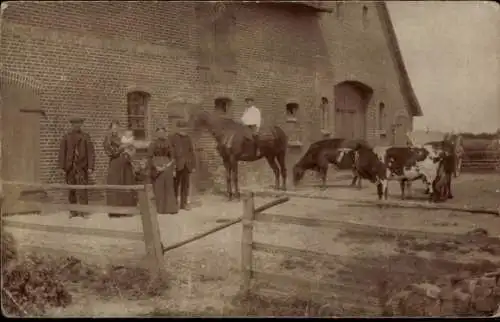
point(246, 243)
point(151, 230)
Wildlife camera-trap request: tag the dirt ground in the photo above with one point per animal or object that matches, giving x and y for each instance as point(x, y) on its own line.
point(205, 274)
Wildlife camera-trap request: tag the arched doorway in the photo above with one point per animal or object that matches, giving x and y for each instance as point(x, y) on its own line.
point(400, 128)
point(351, 101)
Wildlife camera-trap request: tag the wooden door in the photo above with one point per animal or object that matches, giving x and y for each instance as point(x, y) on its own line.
point(345, 124)
point(350, 107)
point(20, 148)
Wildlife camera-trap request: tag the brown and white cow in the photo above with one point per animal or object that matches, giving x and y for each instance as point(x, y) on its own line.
point(404, 164)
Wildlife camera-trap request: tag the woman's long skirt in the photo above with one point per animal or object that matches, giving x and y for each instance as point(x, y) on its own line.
point(120, 172)
point(163, 188)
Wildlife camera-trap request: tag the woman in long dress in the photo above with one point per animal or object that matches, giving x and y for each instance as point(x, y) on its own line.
point(120, 170)
point(161, 170)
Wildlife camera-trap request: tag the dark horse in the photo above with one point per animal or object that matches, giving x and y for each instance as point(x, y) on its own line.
point(233, 146)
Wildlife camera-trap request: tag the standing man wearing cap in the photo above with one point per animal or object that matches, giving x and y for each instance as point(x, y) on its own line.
point(77, 159)
point(252, 118)
point(185, 162)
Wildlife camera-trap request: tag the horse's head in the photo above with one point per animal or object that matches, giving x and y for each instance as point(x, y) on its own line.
point(200, 120)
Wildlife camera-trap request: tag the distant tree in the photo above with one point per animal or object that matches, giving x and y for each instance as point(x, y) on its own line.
point(483, 135)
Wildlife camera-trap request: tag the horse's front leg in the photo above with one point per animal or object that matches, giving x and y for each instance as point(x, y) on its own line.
point(276, 170)
point(282, 164)
point(234, 174)
point(229, 188)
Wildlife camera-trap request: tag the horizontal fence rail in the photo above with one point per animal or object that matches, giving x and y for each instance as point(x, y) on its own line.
point(50, 207)
point(97, 232)
point(481, 159)
point(61, 186)
point(328, 223)
point(381, 203)
point(150, 234)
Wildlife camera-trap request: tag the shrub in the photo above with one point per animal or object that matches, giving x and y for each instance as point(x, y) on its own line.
point(32, 285)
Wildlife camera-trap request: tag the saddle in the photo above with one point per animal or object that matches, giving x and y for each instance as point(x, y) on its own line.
point(249, 134)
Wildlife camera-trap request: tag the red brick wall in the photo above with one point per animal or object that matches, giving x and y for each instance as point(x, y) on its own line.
point(89, 55)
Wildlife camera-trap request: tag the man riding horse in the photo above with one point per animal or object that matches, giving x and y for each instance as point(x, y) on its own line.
point(252, 119)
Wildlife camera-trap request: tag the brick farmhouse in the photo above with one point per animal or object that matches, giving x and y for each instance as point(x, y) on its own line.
point(317, 69)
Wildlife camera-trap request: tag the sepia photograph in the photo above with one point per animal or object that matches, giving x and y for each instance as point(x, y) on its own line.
point(250, 158)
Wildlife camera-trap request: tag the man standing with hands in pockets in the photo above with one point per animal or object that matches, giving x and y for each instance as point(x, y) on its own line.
point(185, 162)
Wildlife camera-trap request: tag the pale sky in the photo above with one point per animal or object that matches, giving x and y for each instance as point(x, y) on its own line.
point(452, 51)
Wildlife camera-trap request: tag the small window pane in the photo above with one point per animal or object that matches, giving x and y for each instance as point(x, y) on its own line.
point(137, 111)
point(136, 123)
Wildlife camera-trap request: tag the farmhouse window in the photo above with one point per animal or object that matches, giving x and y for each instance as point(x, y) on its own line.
point(324, 113)
point(222, 104)
point(291, 109)
point(137, 111)
point(381, 116)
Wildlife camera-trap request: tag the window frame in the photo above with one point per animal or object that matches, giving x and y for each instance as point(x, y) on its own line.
point(142, 97)
point(325, 114)
point(291, 109)
point(227, 105)
point(381, 116)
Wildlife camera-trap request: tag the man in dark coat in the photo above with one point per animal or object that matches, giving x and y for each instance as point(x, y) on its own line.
point(77, 159)
point(185, 161)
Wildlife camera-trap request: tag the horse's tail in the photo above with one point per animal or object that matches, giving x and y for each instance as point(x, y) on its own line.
point(281, 138)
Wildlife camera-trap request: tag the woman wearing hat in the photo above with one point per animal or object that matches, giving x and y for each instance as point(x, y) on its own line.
point(161, 166)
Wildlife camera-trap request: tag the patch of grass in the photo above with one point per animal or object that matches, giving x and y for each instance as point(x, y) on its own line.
point(126, 282)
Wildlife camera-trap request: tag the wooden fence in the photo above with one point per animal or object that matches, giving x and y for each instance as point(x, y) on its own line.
point(259, 282)
point(253, 281)
point(150, 230)
point(481, 160)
